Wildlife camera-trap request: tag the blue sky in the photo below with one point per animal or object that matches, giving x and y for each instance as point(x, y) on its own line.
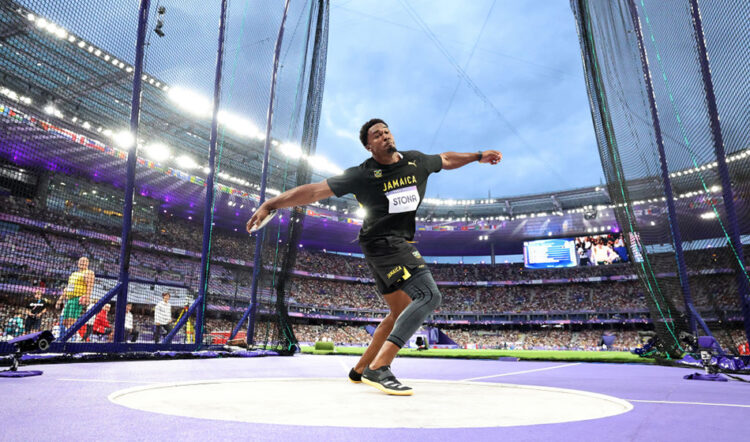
point(526, 64)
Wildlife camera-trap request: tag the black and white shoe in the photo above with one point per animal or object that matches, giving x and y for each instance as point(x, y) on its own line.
point(385, 381)
point(355, 377)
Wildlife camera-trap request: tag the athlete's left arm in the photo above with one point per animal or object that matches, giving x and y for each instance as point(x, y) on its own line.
point(454, 160)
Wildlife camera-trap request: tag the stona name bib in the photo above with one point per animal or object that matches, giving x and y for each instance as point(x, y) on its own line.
point(403, 200)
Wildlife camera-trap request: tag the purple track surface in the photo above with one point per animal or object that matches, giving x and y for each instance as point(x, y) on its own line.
point(69, 401)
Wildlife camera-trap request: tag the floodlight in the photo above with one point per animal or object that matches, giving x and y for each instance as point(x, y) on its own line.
point(158, 151)
point(291, 150)
point(190, 101)
point(186, 162)
point(50, 109)
point(124, 139)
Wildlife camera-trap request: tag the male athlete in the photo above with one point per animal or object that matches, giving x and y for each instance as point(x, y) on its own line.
point(390, 186)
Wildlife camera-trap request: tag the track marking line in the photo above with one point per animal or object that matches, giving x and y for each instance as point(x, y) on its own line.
point(521, 372)
point(107, 381)
point(689, 403)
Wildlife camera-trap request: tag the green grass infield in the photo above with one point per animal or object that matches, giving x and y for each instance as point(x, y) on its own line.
point(524, 355)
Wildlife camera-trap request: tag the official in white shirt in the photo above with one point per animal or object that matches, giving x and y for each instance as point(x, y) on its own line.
point(162, 317)
point(130, 333)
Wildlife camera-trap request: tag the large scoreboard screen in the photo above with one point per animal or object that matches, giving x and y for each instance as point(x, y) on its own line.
point(550, 253)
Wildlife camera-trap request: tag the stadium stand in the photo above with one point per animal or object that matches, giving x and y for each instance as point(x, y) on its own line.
point(43, 249)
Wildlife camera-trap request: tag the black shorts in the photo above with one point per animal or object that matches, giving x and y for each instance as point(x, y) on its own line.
point(392, 261)
point(32, 323)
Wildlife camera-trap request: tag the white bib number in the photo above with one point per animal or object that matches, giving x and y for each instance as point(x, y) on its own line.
point(403, 200)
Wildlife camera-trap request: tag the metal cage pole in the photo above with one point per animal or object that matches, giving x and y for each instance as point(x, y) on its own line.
point(200, 301)
point(257, 259)
point(726, 183)
point(127, 211)
point(671, 211)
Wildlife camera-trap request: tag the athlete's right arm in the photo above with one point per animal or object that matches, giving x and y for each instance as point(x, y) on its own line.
point(299, 196)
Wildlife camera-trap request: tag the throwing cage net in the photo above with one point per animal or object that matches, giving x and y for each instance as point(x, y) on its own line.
point(668, 95)
point(300, 53)
point(105, 194)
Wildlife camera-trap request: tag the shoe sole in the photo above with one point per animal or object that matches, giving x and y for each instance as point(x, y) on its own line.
point(386, 390)
point(354, 382)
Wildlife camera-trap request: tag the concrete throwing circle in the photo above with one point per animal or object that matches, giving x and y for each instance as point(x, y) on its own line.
point(339, 403)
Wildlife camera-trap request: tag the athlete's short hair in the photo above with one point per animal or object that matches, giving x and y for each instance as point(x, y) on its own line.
point(366, 127)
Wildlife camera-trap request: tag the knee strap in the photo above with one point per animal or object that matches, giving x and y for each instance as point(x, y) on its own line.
point(426, 297)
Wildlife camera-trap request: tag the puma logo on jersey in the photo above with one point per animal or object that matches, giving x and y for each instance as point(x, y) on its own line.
point(412, 163)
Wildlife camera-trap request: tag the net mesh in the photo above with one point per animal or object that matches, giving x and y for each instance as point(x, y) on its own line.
point(648, 94)
point(296, 110)
point(66, 98)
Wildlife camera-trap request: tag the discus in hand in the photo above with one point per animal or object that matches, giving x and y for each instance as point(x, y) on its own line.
point(271, 215)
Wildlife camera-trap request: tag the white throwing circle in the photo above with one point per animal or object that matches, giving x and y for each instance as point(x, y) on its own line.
point(339, 403)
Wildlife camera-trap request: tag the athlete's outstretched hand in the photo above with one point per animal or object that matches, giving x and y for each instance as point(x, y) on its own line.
point(257, 218)
point(491, 156)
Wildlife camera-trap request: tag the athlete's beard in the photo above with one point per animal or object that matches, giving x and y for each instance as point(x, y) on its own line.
point(392, 149)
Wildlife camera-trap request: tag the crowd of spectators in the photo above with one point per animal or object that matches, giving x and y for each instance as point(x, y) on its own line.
point(327, 293)
point(169, 231)
point(605, 249)
point(735, 339)
point(338, 334)
point(544, 339)
point(467, 338)
point(606, 296)
point(541, 339)
point(33, 257)
point(603, 296)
